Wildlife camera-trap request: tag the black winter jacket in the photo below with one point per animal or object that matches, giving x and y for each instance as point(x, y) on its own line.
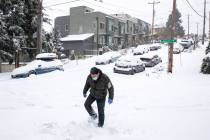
point(98, 88)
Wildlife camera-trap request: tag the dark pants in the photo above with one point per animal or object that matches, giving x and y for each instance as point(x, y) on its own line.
point(100, 105)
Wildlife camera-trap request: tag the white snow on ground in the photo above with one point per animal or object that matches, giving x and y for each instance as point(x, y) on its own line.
point(151, 105)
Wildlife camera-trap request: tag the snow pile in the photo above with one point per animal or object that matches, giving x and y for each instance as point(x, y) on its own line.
point(147, 105)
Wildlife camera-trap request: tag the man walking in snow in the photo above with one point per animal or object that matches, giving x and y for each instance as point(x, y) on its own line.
point(98, 83)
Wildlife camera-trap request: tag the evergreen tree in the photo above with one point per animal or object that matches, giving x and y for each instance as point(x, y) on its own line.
point(30, 28)
point(47, 42)
point(19, 22)
point(56, 39)
point(208, 48)
point(179, 30)
point(11, 22)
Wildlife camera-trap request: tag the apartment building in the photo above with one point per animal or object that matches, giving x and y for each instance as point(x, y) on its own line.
point(116, 31)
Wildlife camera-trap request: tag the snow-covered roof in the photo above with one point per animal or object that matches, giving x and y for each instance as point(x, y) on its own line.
point(78, 37)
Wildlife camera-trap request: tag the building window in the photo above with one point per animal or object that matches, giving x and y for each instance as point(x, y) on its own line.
point(102, 40)
point(112, 28)
point(102, 26)
point(131, 30)
point(66, 27)
point(94, 25)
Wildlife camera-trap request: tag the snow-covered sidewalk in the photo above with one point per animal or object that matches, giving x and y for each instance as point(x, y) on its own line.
point(151, 105)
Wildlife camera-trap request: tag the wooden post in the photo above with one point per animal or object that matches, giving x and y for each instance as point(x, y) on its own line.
point(17, 59)
point(204, 22)
point(153, 17)
point(170, 52)
point(0, 65)
point(97, 32)
point(39, 27)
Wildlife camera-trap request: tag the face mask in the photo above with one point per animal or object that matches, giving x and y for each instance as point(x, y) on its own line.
point(95, 78)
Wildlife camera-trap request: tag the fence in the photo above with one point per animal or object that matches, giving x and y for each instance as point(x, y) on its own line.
point(6, 67)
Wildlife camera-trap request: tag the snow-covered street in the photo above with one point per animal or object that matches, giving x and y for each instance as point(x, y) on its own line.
point(151, 105)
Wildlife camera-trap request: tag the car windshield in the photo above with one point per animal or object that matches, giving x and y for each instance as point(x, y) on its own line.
point(145, 59)
point(46, 59)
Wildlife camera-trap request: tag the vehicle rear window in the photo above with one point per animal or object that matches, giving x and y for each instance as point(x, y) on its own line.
point(46, 59)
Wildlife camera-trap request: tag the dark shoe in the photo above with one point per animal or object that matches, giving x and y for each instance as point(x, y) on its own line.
point(100, 125)
point(93, 117)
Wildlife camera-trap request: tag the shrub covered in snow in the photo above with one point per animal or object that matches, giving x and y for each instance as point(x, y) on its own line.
point(205, 68)
point(208, 48)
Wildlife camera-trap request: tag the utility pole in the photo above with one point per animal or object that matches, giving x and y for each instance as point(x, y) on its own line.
point(204, 22)
point(170, 52)
point(197, 28)
point(0, 65)
point(97, 32)
point(153, 16)
point(188, 28)
point(39, 27)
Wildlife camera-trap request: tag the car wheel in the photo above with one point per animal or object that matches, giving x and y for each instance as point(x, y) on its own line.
point(114, 71)
point(32, 72)
point(27, 75)
point(132, 72)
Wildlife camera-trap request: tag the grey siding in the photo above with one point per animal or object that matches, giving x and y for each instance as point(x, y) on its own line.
point(61, 23)
point(80, 47)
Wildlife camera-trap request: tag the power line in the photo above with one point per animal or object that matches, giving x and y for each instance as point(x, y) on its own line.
point(193, 8)
point(53, 9)
point(113, 5)
point(137, 15)
point(93, 5)
point(61, 3)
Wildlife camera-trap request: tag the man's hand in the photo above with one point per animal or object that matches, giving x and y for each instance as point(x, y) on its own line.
point(110, 101)
point(85, 95)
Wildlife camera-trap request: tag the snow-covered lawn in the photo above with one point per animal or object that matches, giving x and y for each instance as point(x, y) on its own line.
point(151, 105)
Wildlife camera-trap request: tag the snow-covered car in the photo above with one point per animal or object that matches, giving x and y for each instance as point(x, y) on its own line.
point(186, 43)
point(141, 49)
point(45, 62)
point(150, 60)
point(108, 57)
point(177, 48)
point(128, 65)
point(154, 47)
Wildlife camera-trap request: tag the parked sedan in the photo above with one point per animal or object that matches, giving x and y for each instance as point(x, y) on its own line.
point(177, 48)
point(108, 57)
point(151, 61)
point(141, 49)
point(128, 65)
point(154, 47)
point(186, 43)
point(44, 63)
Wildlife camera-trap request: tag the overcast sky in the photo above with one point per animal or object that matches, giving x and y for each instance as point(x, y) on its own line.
point(137, 8)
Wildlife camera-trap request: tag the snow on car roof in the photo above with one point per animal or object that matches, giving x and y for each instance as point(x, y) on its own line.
point(144, 45)
point(155, 44)
point(46, 55)
point(77, 37)
point(149, 55)
point(108, 55)
point(128, 60)
point(128, 57)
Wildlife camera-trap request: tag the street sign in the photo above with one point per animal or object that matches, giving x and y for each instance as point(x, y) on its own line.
point(168, 41)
